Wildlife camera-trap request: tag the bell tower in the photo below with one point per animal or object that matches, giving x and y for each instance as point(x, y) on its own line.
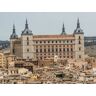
point(79, 42)
point(13, 37)
point(27, 43)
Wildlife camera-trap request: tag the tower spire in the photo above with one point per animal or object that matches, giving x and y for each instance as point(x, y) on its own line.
point(13, 28)
point(78, 23)
point(63, 30)
point(26, 25)
point(13, 35)
point(78, 30)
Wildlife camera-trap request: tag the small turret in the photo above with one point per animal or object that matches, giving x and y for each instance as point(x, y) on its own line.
point(78, 30)
point(26, 31)
point(63, 30)
point(13, 35)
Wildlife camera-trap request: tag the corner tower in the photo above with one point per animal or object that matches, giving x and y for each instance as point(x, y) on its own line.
point(79, 42)
point(27, 43)
point(13, 38)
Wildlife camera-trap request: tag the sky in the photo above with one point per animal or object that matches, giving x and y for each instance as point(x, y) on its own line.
point(46, 22)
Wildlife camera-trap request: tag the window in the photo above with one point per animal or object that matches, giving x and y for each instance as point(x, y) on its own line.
point(36, 41)
point(48, 41)
point(79, 56)
point(67, 49)
point(71, 41)
point(48, 50)
point(44, 41)
point(13, 51)
point(64, 49)
point(40, 41)
point(27, 43)
point(27, 32)
point(36, 50)
point(27, 50)
point(56, 50)
point(56, 41)
point(41, 58)
point(71, 49)
point(40, 50)
point(67, 56)
point(79, 48)
point(44, 50)
point(27, 39)
point(52, 49)
point(67, 41)
point(79, 42)
point(79, 37)
point(52, 41)
point(60, 49)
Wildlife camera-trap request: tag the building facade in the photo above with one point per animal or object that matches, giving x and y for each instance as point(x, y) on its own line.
point(3, 60)
point(40, 47)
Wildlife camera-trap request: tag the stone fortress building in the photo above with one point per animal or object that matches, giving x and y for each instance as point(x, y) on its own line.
point(41, 47)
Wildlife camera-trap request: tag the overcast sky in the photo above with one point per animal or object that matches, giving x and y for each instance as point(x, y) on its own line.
point(46, 23)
